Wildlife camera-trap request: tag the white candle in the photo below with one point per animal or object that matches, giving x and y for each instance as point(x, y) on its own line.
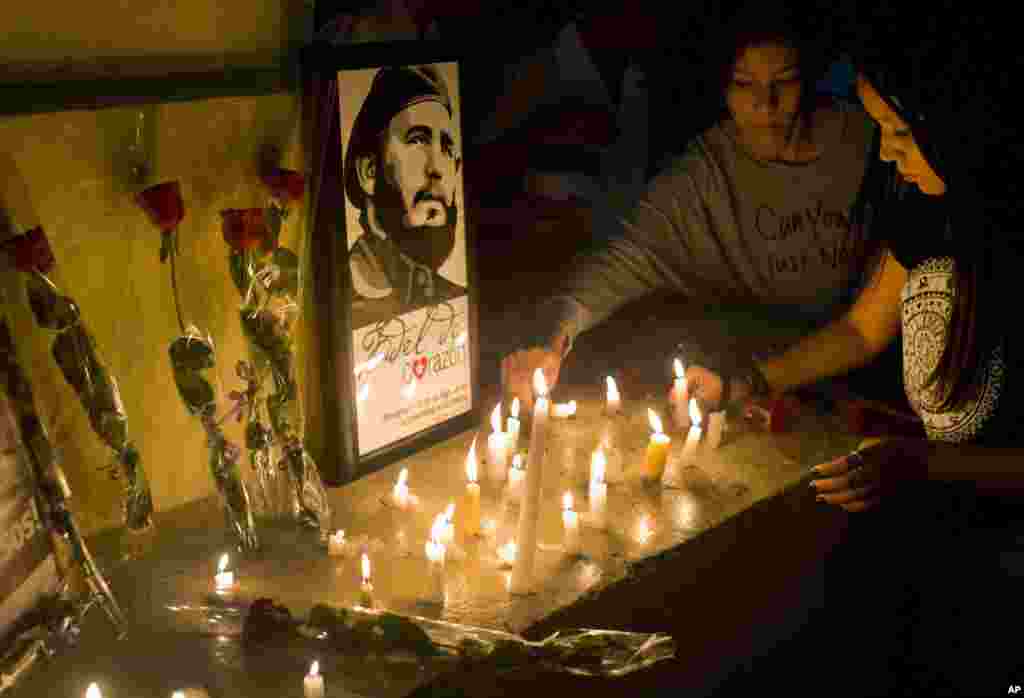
point(436, 556)
point(680, 398)
point(400, 493)
point(225, 578)
point(689, 454)
point(447, 533)
point(336, 543)
point(570, 525)
point(93, 691)
point(470, 509)
point(513, 426)
point(497, 448)
point(598, 490)
point(516, 477)
point(613, 401)
point(366, 587)
point(313, 684)
point(716, 426)
point(529, 511)
point(657, 449)
point(563, 410)
point(507, 554)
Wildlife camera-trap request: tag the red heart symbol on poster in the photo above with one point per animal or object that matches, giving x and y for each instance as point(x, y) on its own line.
point(419, 367)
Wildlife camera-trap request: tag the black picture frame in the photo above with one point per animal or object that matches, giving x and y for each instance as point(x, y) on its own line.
point(337, 80)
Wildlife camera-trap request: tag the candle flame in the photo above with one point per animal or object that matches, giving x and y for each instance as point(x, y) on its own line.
point(403, 478)
point(178, 694)
point(514, 411)
point(598, 462)
point(314, 668)
point(644, 529)
point(655, 420)
point(496, 418)
point(540, 386)
point(677, 366)
point(437, 529)
point(567, 501)
point(366, 567)
point(517, 461)
point(612, 393)
point(449, 512)
point(471, 466)
point(564, 409)
point(694, 412)
point(364, 392)
point(93, 691)
point(223, 564)
point(339, 536)
point(507, 552)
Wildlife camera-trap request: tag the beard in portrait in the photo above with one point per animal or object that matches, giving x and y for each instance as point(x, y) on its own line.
point(400, 171)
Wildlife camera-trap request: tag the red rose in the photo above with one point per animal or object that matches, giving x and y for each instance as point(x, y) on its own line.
point(32, 251)
point(162, 203)
point(244, 228)
point(287, 186)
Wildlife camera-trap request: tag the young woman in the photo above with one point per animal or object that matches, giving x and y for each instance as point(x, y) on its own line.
point(929, 592)
point(756, 212)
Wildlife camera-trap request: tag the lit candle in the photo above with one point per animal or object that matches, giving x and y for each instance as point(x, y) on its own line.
point(613, 401)
point(680, 398)
point(657, 449)
point(497, 448)
point(400, 494)
point(516, 476)
point(598, 490)
point(178, 694)
point(507, 554)
point(225, 578)
point(336, 543)
point(564, 410)
point(436, 555)
point(513, 426)
point(366, 587)
point(313, 684)
point(570, 525)
point(690, 446)
point(469, 512)
point(614, 472)
point(364, 392)
point(644, 530)
point(93, 691)
point(447, 535)
point(529, 511)
point(716, 426)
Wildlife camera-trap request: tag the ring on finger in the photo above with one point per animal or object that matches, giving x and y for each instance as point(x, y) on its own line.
point(855, 459)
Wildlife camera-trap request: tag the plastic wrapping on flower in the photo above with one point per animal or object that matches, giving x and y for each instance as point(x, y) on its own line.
point(267, 278)
point(191, 354)
point(51, 489)
point(359, 631)
point(75, 352)
point(51, 627)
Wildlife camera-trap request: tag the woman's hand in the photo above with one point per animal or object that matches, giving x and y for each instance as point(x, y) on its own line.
point(517, 371)
point(877, 469)
point(707, 386)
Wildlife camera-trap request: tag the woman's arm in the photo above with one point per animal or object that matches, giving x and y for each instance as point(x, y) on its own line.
point(852, 340)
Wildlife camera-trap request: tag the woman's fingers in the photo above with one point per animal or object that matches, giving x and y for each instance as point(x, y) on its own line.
point(849, 496)
point(862, 504)
point(832, 468)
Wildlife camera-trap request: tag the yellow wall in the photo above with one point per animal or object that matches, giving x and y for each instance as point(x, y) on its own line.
point(67, 172)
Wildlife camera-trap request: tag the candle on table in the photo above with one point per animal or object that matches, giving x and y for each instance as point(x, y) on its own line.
point(513, 425)
point(225, 578)
point(598, 490)
point(93, 691)
point(529, 511)
point(516, 476)
point(400, 493)
point(436, 555)
point(563, 410)
point(366, 587)
point(716, 426)
point(570, 525)
point(336, 543)
point(470, 510)
point(313, 684)
point(680, 398)
point(613, 401)
point(614, 472)
point(497, 448)
point(690, 446)
point(447, 535)
point(657, 449)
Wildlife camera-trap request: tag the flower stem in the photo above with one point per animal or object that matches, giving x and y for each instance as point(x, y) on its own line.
point(174, 286)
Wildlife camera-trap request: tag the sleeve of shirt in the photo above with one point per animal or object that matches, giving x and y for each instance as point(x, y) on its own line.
point(655, 248)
